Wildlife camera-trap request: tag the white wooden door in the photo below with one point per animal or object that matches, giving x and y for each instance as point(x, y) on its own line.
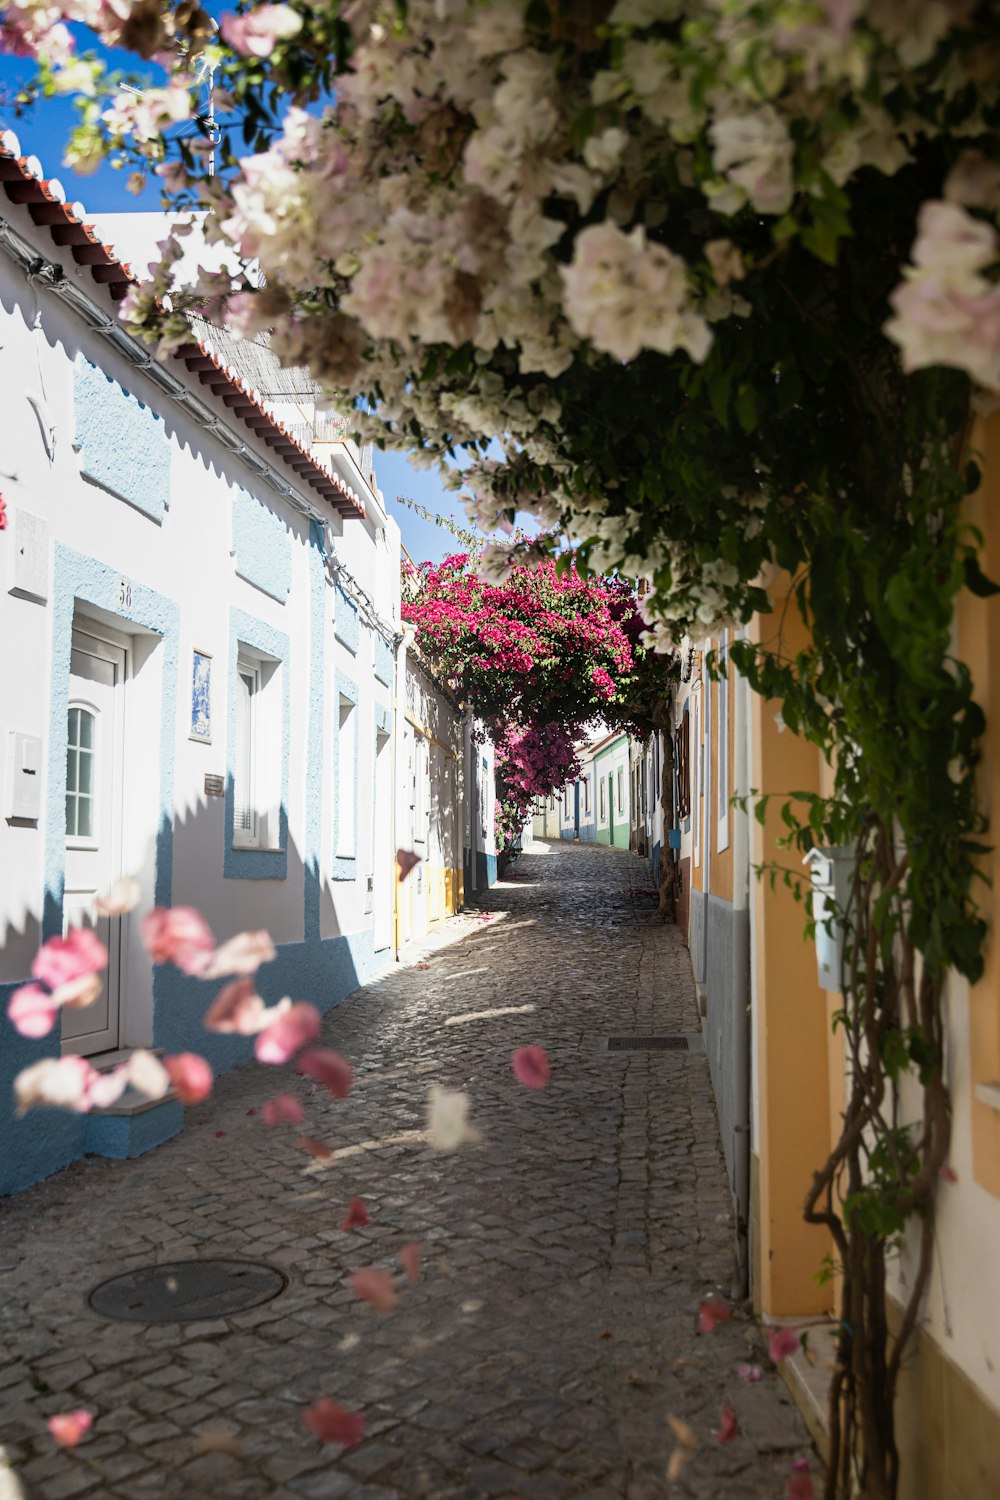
point(383, 856)
point(94, 825)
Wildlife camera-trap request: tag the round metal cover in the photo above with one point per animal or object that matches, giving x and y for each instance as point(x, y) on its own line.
point(184, 1290)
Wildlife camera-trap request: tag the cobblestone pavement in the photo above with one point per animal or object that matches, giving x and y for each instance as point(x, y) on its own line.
point(554, 1326)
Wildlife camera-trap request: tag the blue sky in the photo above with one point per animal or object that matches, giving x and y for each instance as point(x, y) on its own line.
point(43, 132)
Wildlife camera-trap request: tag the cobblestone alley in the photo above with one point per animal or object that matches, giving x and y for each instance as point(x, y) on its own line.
point(553, 1328)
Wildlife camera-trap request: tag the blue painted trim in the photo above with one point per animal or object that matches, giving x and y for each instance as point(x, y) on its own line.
point(384, 659)
point(256, 864)
point(344, 867)
point(76, 576)
point(123, 445)
point(262, 546)
point(313, 863)
point(345, 620)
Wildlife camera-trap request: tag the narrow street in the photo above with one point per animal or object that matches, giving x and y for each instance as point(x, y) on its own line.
point(554, 1325)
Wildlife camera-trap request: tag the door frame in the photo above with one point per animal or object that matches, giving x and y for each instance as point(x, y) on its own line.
point(117, 650)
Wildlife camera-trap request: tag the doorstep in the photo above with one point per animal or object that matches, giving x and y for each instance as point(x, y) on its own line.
point(134, 1124)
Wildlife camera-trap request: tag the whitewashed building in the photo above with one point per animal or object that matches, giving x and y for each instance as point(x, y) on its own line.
point(201, 614)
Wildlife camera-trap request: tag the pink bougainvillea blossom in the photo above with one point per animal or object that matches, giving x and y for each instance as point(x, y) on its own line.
point(296, 1027)
point(327, 1067)
point(357, 1215)
point(333, 1423)
point(190, 1075)
point(123, 896)
point(750, 1373)
point(32, 1011)
point(711, 1313)
point(407, 861)
point(409, 1259)
point(70, 1427)
point(242, 954)
point(283, 1109)
point(147, 1074)
point(376, 1287)
point(947, 1173)
point(782, 1342)
point(63, 961)
point(178, 935)
point(531, 1067)
point(728, 1428)
point(255, 33)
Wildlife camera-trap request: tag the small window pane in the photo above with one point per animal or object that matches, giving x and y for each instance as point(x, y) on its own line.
point(86, 729)
point(74, 726)
point(71, 816)
point(71, 770)
point(86, 773)
point(85, 815)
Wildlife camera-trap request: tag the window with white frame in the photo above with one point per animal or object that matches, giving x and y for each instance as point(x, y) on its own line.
point(586, 793)
point(620, 787)
point(603, 803)
point(257, 761)
point(722, 758)
point(347, 759)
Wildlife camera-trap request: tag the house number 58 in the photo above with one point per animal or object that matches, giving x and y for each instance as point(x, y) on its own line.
point(124, 594)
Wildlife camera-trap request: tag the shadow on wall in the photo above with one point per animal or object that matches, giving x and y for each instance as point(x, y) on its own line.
point(323, 972)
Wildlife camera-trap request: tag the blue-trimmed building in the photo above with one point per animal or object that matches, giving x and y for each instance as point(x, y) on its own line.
point(201, 608)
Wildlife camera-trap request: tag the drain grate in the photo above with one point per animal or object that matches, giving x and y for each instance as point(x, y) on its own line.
point(186, 1290)
point(648, 1044)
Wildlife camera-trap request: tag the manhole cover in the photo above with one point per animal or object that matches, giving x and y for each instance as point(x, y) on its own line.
point(183, 1290)
point(647, 1044)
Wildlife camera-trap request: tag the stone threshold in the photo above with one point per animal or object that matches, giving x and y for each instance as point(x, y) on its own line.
point(131, 1102)
point(808, 1374)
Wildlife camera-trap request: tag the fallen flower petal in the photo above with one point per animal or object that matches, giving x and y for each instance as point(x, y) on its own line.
point(80, 992)
point(242, 954)
point(293, 1028)
point(32, 1011)
point(191, 1076)
point(122, 897)
point(728, 1428)
point(687, 1446)
point(357, 1215)
point(59, 1082)
point(800, 1485)
point(178, 935)
point(69, 1428)
point(448, 1120)
point(237, 1008)
point(64, 959)
point(147, 1074)
point(409, 1259)
point(605, 1333)
point(407, 861)
point(750, 1373)
point(319, 1149)
point(376, 1287)
point(781, 1342)
point(711, 1313)
point(327, 1067)
point(333, 1423)
point(282, 1109)
point(531, 1067)
point(218, 1440)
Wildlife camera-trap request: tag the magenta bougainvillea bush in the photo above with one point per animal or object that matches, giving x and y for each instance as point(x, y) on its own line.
point(538, 657)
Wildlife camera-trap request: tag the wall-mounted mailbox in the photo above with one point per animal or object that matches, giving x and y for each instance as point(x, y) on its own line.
point(831, 881)
point(23, 793)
